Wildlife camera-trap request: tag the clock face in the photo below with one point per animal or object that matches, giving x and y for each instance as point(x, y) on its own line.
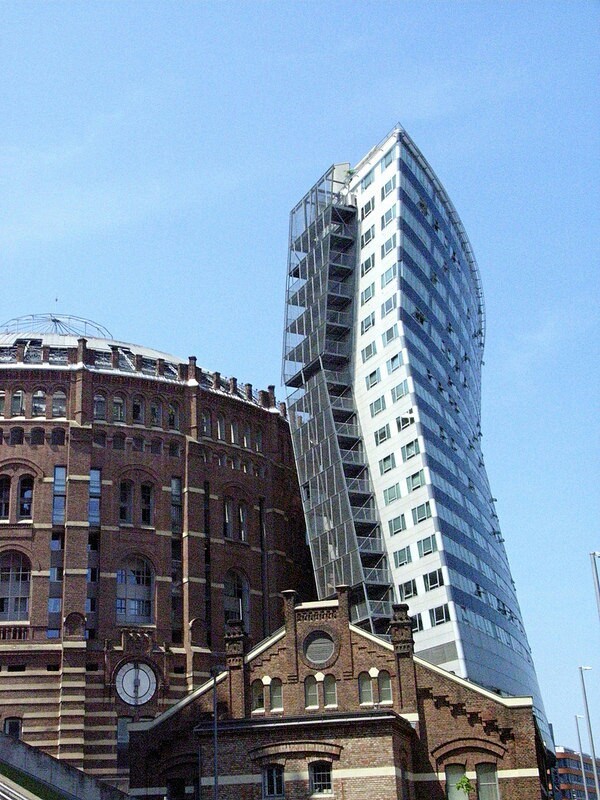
point(135, 683)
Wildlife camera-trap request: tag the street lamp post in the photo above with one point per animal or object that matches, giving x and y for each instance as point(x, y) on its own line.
point(214, 671)
point(589, 727)
point(585, 789)
point(594, 557)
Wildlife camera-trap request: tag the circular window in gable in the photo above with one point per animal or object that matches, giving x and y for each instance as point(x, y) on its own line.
point(318, 647)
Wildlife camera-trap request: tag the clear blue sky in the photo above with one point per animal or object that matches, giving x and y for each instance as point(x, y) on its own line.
point(150, 153)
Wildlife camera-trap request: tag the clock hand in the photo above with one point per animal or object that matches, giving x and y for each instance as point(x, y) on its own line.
point(136, 681)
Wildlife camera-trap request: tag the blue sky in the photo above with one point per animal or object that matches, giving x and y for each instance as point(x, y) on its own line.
point(150, 153)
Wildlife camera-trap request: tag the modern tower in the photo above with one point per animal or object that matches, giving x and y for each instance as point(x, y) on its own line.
point(384, 337)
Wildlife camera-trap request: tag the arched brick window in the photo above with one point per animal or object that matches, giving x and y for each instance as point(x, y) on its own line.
point(59, 404)
point(4, 497)
point(25, 497)
point(365, 689)
point(38, 404)
point(15, 575)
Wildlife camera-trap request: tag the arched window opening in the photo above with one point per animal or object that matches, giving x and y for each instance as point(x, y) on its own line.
point(320, 778)
point(236, 599)
point(273, 781)
point(4, 497)
point(205, 424)
point(2, 403)
point(221, 427)
point(228, 518)
point(59, 404)
point(365, 689)
point(57, 437)
point(99, 406)
point(98, 438)
point(243, 521)
point(137, 410)
point(17, 436)
point(247, 436)
point(257, 696)
point(38, 404)
point(156, 413)
point(276, 695)
point(173, 416)
point(487, 782)
point(15, 575)
point(37, 436)
point(134, 592)
point(17, 403)
point(454, 772)
point(156, 447)
point(311, 692)
point(258, 440)
point(118, 441)
point(126, 503)
point(330, 690)
point(25, 497)
point(147, 503)
point(118, 409)
point(234, 429)
point(384, 686)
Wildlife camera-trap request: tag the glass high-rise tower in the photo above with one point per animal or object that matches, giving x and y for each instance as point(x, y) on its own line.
point(384, 336)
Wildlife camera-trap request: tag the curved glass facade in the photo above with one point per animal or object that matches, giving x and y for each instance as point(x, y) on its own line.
point(385, 328)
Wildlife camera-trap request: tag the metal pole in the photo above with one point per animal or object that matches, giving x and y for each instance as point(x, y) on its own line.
point(215, 737)
point(593, 557)
point(585, 789)
point(589, 727)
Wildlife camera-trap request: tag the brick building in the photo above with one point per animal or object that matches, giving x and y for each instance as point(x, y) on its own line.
point(569, 779)
point(322, 708)
point(143, 503)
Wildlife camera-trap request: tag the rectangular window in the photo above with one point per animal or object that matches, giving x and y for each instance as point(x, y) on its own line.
point(56, 573)
point(367, 265)
point(391, 493)
point(367, 236)
point(427, 545)
point(399, 391)
point(388, 187)
point(367, 180)
point(92, 575)
point(388, 276)
point(402, 557)
point(54, 605)
point(415, 481)
point(146, 504)
point(377, 406)
point(57, 541)
point(387, 159)
point(367, 294)
point(390, 335)
point(59, 495)
point(382, 435)
point(372, 378)
point(389, 305)
point(367, 208)
point(94, 497)
point(389, 215)
point(410, 450)
point(417, 623)
point(367, 322)
point(388, 246)
point(176, 505)
point(386, 464)
point(433, 580)
point(421, 513)
point(407, 589)
point(368, 352)
point(394, 363)
point(439, 615)
point(405, 420)
point(397, 525)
